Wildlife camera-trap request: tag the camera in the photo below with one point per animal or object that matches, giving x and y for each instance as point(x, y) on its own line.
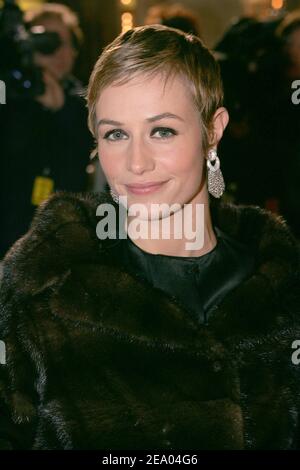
point(18, 43)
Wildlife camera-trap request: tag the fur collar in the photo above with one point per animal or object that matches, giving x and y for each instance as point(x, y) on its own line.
point(63, 234)
point(63, 237)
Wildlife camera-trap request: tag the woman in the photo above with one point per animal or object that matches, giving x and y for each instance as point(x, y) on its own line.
point(117, 342)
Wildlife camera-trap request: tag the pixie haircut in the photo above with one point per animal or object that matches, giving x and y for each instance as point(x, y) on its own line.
point(151, 50)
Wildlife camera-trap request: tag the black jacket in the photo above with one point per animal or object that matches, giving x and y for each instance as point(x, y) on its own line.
point(98, 359)
point(35, 140)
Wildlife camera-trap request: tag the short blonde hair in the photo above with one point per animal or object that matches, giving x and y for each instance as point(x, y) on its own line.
point(154, 49)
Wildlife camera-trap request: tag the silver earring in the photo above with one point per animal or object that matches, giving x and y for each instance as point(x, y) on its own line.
point(114, 196)
point(215, 180)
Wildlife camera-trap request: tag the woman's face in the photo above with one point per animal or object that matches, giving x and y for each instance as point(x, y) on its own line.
point(151, 134)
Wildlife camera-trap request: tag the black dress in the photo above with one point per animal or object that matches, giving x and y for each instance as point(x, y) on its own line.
point(198, 283)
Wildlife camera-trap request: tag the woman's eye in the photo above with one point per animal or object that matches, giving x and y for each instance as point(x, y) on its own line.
point(158, 132)
point(116, 134)
point(164, 132)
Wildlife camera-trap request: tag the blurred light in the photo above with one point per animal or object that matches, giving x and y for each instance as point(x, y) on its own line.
point(127, 21)
point(29, 4)
point(129, 4)
point(90, 169)
point(126, 17)
point(277, 4)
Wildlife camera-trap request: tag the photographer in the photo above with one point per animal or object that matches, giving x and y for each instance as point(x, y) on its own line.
point(44, 140)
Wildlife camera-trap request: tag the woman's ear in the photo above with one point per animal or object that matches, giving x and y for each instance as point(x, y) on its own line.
point(220, 121)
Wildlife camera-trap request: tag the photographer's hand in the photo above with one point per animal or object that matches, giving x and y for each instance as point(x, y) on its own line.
point(54, 96)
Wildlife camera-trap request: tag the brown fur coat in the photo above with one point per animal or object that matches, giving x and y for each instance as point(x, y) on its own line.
point(97, 359)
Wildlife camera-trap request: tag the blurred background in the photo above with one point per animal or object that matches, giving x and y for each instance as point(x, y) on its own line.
point(103, 20)
point(44, 141)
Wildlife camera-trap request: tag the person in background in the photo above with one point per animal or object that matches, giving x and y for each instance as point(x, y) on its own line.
point(288, 33)
point(246, 53)
point(175, 16)
point(274, 122)
point(259, 61)
point(45, 142)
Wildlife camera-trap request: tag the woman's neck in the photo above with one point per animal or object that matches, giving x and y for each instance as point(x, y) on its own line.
point(191, 232)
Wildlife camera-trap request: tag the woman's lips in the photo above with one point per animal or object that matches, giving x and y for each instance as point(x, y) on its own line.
point(144, 188)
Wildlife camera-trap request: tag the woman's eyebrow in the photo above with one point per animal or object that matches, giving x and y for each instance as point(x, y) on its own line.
point(151, 119)
point(109, 121)
point(164, 115)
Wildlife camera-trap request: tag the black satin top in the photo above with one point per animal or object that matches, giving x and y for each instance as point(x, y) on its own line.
point(199, 283)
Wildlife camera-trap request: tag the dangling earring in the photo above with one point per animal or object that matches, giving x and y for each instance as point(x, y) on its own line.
point(215, 180)
point(114, 196)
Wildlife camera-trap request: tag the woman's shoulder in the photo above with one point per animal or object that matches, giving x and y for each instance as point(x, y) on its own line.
point(62, 232)
point(264, 232)
point(272, 290)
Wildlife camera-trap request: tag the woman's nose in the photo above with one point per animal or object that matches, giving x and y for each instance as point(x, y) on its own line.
point(139, 158)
